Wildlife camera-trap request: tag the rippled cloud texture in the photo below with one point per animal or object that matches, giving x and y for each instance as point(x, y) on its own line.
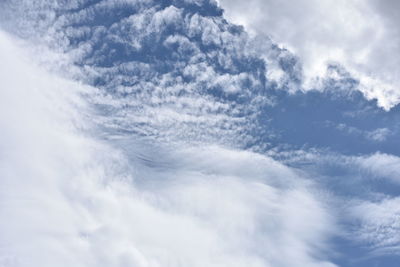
point(157, 133)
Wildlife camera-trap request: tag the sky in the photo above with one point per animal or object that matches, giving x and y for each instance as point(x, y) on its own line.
point(168, 133)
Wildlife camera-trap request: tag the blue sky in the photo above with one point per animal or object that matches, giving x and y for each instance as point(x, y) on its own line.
point(199, 133)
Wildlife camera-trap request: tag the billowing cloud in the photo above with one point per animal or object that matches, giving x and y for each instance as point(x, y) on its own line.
point(362, 36)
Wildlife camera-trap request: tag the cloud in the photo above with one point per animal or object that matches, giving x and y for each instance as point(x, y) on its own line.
point(359, 169)
point(72, 198)
point(365, 198)
point(382, 165)
point(377, 135)
point(147, 63)
point(362, 36)
point(378, 225)
point(181, 73)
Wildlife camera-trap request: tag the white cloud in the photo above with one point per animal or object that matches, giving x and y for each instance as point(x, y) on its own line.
point(381, 165)
point(376, 135)
point(366, 202)
point(379, 224)
point(379, 135)
point(69, 199)
point(363, 36)
point(361, 168)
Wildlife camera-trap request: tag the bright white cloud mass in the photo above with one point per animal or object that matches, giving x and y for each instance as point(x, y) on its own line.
point(158, 134)
point(363, 36)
